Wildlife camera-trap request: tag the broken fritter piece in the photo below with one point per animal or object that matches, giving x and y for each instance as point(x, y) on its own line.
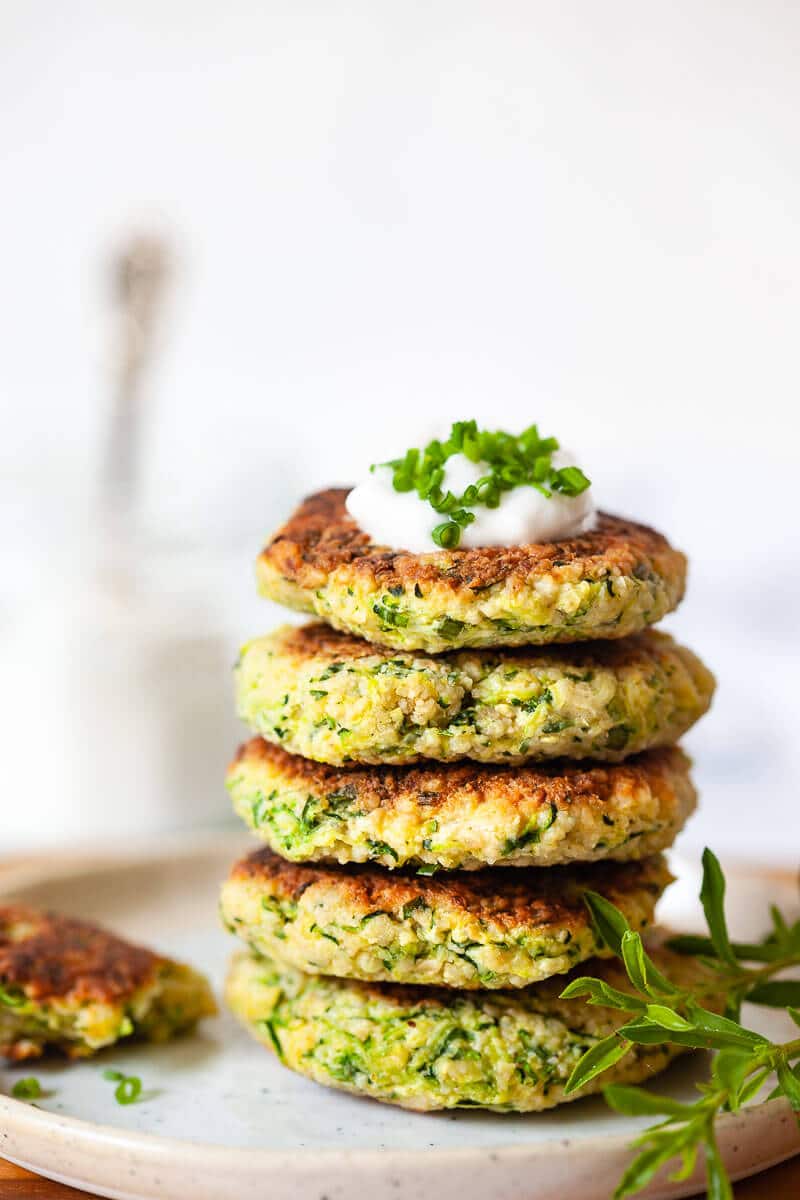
point(70, 985)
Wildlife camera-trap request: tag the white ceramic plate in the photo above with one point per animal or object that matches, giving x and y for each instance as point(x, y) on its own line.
point(219, 1116)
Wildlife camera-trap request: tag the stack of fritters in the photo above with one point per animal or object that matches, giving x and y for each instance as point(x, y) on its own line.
point(509, 711)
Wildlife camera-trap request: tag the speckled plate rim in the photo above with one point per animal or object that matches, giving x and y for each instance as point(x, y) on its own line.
point(126, 1165)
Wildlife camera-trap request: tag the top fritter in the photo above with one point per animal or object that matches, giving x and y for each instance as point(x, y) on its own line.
point(610, 581)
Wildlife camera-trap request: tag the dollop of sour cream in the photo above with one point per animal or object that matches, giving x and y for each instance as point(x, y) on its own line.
point(524, 516)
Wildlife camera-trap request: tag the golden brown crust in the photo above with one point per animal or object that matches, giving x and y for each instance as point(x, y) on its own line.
point(54, 957)
point(321, 536)
point(432, 785)
point(508, 899)
point(316, 639)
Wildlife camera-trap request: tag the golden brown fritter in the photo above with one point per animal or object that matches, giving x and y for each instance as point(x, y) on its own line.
point(334, 698)
point(461, 815)
point(490, 928)
point(51, 956)
point(321, 536)
point(69, 984)
point(611, 581)
point(433, 1048)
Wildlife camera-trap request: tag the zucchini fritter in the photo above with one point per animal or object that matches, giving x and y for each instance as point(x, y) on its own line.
point(336, 699)
point(479, 929)
point(72, 986)
point(611, 581)
point(461, 816)
point(429, 1048)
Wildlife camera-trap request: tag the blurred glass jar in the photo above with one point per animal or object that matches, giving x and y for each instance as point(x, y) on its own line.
point(118, 716)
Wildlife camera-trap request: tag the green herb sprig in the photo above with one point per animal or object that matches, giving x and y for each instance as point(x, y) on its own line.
point(661, 1012)
point(128, 1087)
point(512, 461)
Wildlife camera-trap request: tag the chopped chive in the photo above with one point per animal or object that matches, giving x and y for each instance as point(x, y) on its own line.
point(512, 461)
point(128, 1087)
point(27, 1089)
point(570, 481)
point(447, 535)
point(11, 999)
point(449, 628)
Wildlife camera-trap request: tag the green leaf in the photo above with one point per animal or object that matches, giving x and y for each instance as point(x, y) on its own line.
point(730, 1068)
point(779, 923)
point(644, 1167)
point(690, 943)
point(599, 992)
point(688, 1163)
point(707, 1031)
point(733, 1003)
point(638, 1102)
point(766, 951)
point(642, 971)
point(777, 993)
point(789, 1084)
point(719, 1186)
point(712, 897)
point(608, 921)
point(633, 958)
point(754, 1085)
point(728, 1032)
point(744, 1059)
point(598, 1058)
point(667, 1018)
point(687, 943)
point(645, 1033)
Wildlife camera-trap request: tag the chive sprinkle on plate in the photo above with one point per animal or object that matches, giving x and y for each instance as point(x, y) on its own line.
point(128, 1087)
point(27, 1089)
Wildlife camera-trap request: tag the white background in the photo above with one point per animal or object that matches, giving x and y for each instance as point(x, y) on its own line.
point(383, 213)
